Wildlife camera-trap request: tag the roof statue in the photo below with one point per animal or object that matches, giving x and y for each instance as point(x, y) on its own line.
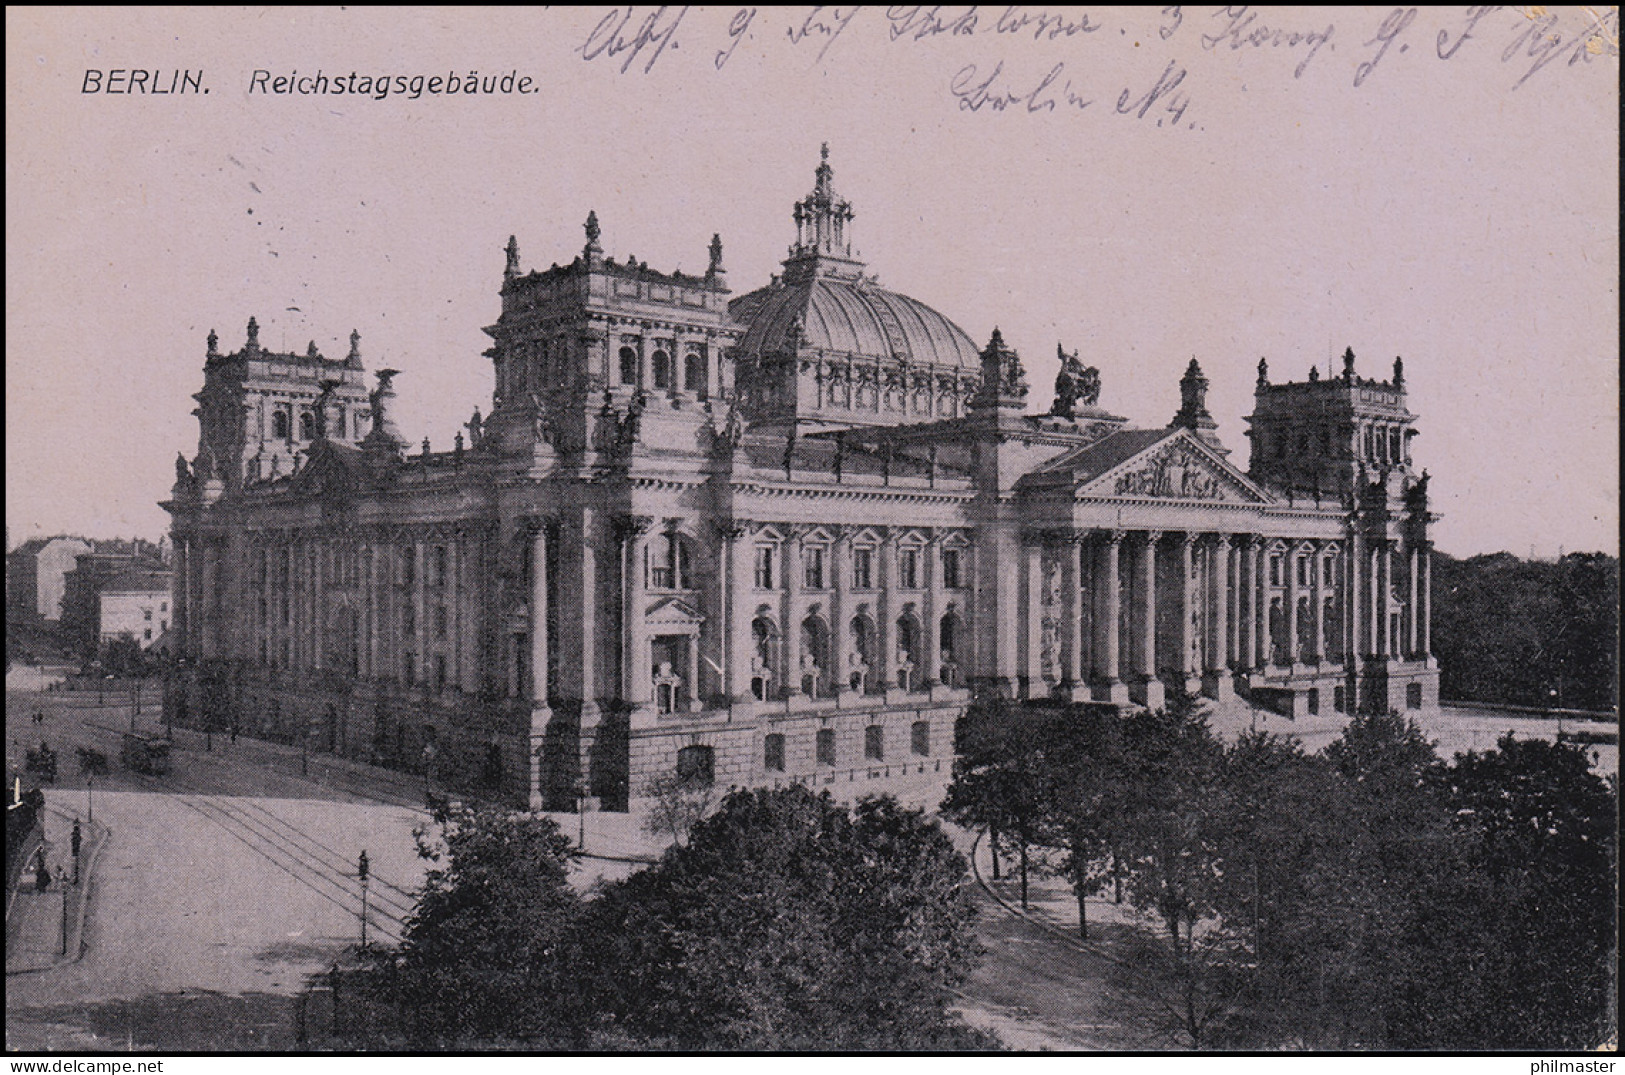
point(1075, 384)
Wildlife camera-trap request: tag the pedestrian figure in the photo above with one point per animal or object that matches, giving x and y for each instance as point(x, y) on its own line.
point(42, 874)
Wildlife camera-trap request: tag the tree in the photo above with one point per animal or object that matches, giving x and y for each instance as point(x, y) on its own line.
point(678, 802)
point(1289, 891)
point(1000, 774)
point(485, 954)
point(1170, 769)
point(787, 921)
point(1541, 843)
point(1083, 799)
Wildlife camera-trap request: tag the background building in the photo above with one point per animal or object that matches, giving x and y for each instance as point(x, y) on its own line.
point(35, 576)
point(783, 537)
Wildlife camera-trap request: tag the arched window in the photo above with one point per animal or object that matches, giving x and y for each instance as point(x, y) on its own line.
point(948, 646)
point(765, 645)
point(908, 651)
point(697, 764)
point(307, 426)
point(814, 670)
point(874, 742)
point(629, 366)
point(279, 424)
point(862, 662)
point(662, 369)
point(825, 746)
point(694, 372)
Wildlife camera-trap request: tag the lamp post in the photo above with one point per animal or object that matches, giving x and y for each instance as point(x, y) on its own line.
point(581, 790)
point(90, 798)
point(362, 871)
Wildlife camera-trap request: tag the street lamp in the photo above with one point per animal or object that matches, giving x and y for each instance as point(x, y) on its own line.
point(581, 791)
point(90, 798)
point(362, 871)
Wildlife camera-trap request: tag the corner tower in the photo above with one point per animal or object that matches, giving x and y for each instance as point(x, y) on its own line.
point(579, 343)
point(260, 411)
point(1322, 436)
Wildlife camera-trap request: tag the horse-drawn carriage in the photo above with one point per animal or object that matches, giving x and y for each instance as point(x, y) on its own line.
point(42, 763)
point(145, 753)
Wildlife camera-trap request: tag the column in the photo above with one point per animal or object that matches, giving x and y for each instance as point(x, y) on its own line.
point(1148, 607)
point(1032, 554)
point(1187, 606)
point(1111, 666)
point(840, 612)
point(1353, 597)
point(1263, 656)
point(1410, 647)
point(1385, 585)
point(1317, 584)
point(538, 617)
point(1233, 644)
point(885, 605)
point(183, 595)
point(1249, 581)
point(635, 682)
point(321, 549)
point(931, 629)
point(1425, 553)
point(792, 614)
point(1220, 601)
point(1152, 686)
point(1294, 652)
point(741, 570)
point(1074, 663)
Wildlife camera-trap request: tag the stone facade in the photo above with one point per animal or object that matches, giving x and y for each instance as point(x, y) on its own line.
point(784, 537)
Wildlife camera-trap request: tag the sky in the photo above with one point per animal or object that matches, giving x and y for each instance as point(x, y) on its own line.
point(1142, 186)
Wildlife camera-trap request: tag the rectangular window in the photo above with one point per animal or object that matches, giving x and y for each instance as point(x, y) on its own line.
point(764, 567)
point(1413, 696)
point(1337, 699)
point(440, 619)
point(439, 565)
point(812, 564)
point(440, 671)
point(874, 742)
point(163, 606)
point(1328, 572)
point(409, 668)
point(146, 635)
point(950, 569)
point(1303, 571)
point(826, 746)
point(863, 569)
point(920, 738)
point(1314, 701)
point(773, 753)
point(146, 614)
point(908, 568)
point(409, 619)
point(409, 566)
point(1275, 571)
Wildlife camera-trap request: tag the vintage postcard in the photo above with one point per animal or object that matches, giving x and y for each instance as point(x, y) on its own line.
point(656, 529)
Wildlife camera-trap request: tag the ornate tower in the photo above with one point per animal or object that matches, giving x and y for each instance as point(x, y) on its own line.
point(1324, 435)
point(590, 353)
point(260, 411)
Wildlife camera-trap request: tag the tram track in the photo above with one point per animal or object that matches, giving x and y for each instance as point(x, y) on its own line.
point(387, 909)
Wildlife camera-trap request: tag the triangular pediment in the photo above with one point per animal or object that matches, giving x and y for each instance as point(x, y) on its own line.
point(1177, 467)
point(673, 612)
point(328, 474)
